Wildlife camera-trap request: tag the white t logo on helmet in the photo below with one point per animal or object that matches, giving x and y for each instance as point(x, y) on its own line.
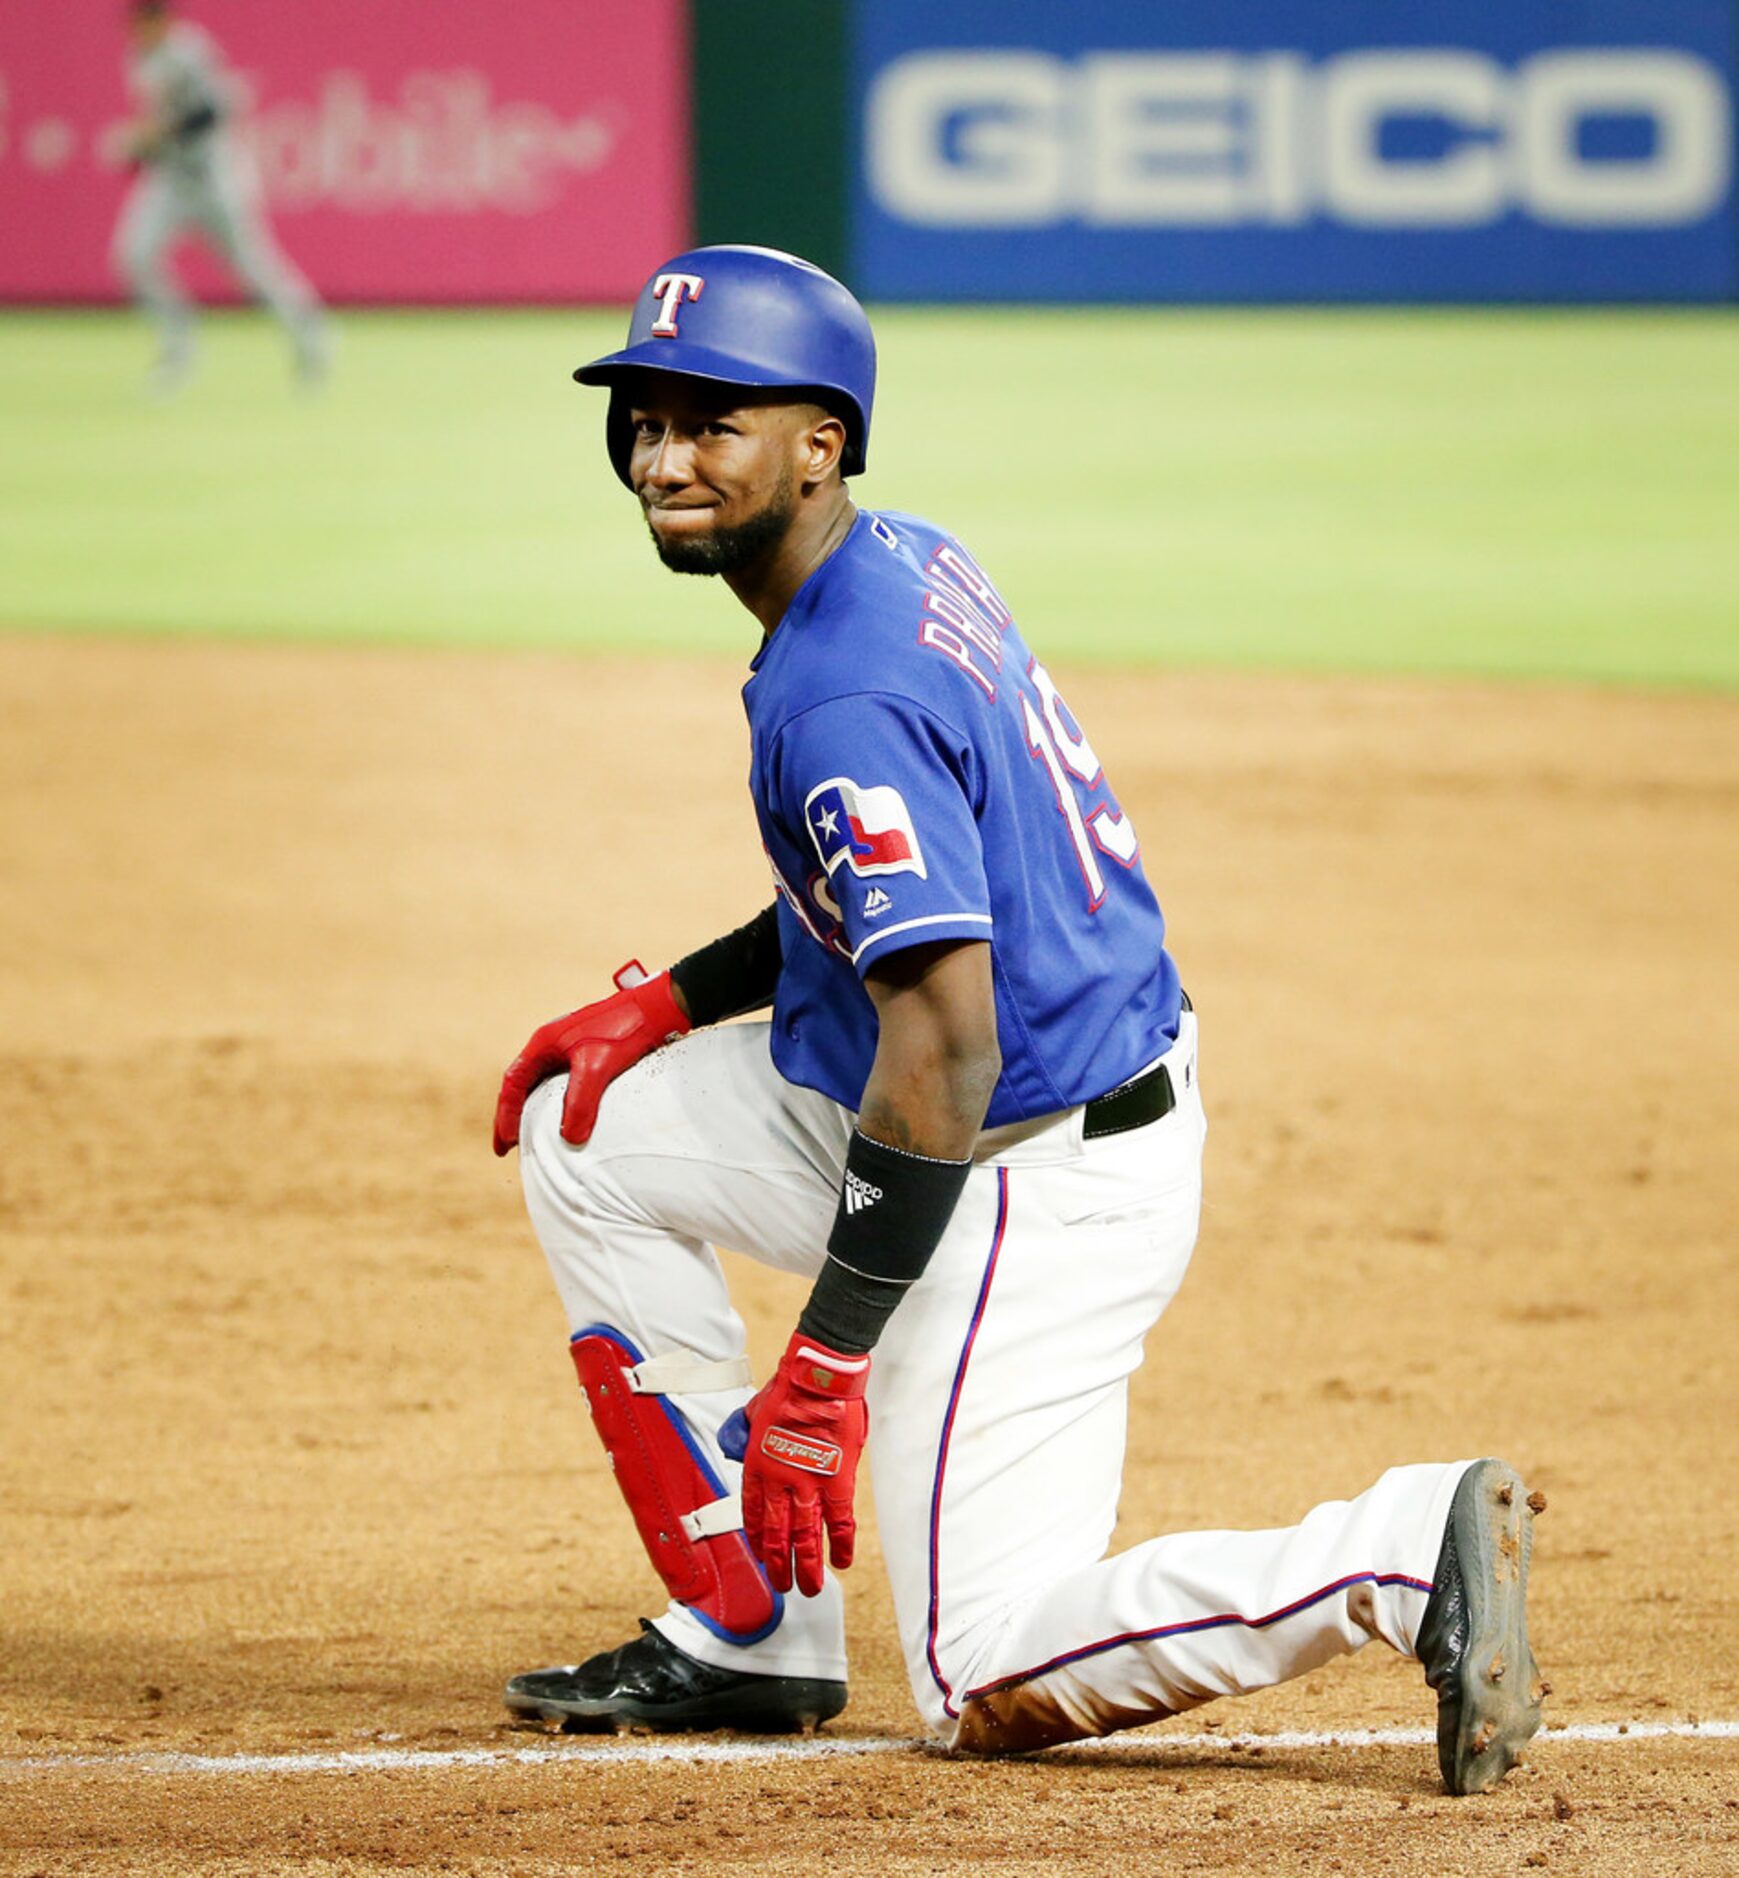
point(672, 290)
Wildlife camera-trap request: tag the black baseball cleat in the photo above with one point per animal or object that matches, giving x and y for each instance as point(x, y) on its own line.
point(1473, 1641)
point(650, 1683)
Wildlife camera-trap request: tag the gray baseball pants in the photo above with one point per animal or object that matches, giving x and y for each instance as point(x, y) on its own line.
point(217, 201)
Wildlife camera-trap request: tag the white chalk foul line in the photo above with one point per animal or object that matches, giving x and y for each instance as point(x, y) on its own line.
point(1426, 1737)
point(373, 1760)
point(814, 1747)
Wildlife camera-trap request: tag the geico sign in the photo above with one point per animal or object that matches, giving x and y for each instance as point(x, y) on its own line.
point(1020, 139)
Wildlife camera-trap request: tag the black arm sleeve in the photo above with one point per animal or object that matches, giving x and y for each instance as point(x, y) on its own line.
point(736, 973)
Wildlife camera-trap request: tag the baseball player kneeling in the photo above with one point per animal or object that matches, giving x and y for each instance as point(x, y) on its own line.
point(974, 1119)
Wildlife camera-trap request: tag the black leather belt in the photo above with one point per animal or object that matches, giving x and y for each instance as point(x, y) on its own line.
point(1134, 1104)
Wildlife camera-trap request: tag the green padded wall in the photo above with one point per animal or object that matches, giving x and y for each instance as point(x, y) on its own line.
point(771, 163)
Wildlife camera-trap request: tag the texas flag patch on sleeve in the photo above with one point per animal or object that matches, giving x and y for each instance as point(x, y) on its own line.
point(870, 830)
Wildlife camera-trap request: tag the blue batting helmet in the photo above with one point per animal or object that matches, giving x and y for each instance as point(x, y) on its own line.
point(747, 316)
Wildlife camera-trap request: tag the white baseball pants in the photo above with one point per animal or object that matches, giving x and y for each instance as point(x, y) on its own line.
point(997, 1399)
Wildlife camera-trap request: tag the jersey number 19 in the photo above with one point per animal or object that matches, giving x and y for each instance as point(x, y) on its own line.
point(1059, 743)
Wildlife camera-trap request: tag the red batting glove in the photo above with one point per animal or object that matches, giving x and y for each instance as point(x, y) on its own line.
point(594, 1045)
point(806, 1430)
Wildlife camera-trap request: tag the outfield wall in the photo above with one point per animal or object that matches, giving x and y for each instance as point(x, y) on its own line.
point(989, 150)
point(1271, 150)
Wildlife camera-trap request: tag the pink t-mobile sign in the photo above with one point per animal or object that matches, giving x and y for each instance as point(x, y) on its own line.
point(421, 150)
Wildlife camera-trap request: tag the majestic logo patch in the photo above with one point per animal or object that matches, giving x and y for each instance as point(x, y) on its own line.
point(814, 1457)
point(876, 901)
point(672, 290)
point(870, 830)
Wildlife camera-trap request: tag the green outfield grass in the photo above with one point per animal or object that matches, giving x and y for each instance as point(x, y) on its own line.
point(1522, 493)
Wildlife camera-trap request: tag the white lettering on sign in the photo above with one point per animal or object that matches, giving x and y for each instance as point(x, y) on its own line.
point(983, 139)
point(971, 139)
point(444, 145)
point(1468, 184)
point(1684, 99)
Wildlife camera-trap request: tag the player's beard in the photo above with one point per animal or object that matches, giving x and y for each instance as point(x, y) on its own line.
point(729, 550)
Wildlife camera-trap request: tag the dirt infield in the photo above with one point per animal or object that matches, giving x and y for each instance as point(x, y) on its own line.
point(291, 1460)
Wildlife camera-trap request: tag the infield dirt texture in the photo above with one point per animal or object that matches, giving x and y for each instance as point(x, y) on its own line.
point(291, 1459)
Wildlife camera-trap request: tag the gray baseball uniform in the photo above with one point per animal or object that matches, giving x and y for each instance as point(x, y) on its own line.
point(198, 179)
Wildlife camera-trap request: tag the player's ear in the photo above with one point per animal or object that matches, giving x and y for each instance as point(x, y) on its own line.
point(824, 445)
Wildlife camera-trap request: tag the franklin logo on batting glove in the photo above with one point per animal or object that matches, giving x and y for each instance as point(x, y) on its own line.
point(814, 1457)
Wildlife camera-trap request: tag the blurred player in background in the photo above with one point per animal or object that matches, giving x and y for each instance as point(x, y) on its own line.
point(195, 179)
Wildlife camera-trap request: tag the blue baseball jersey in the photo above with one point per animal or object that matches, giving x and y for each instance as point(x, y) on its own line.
point(917, 777)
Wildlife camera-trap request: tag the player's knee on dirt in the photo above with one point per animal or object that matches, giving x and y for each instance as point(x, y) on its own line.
point(941, 1668)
